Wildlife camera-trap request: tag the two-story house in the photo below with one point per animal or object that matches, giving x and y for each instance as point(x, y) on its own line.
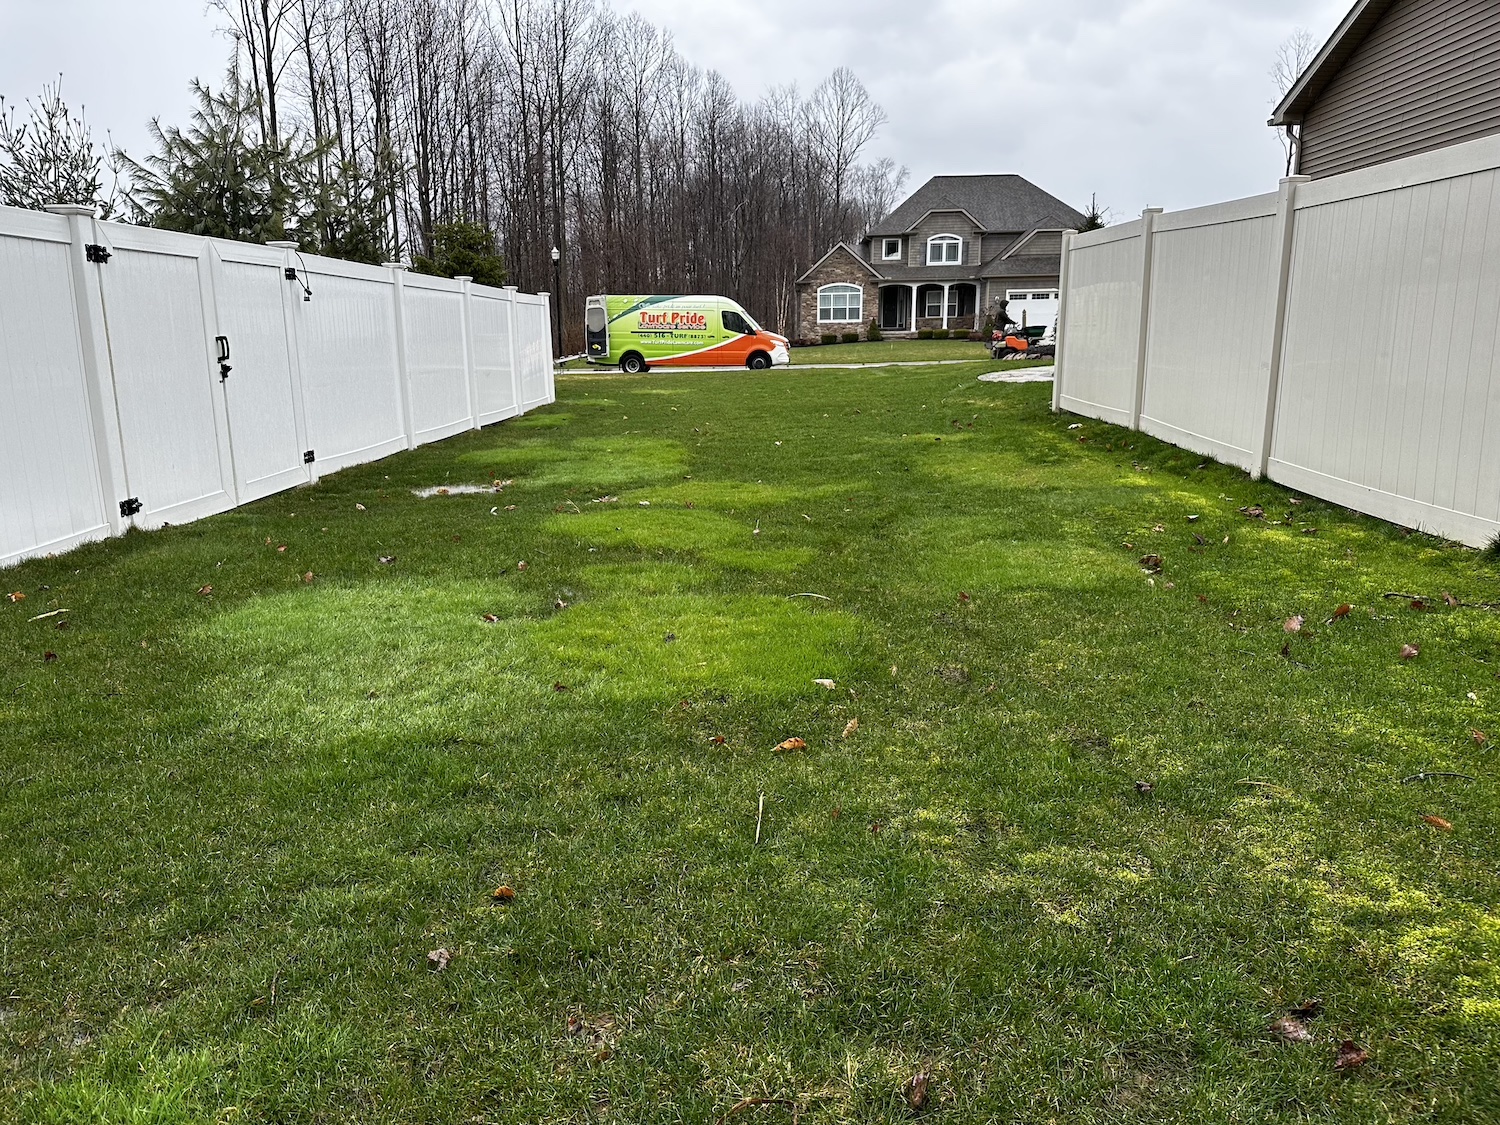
point(945, 258)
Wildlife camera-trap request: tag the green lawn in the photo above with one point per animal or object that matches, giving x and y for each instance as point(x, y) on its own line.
point(892, 351)
point(1096, 829)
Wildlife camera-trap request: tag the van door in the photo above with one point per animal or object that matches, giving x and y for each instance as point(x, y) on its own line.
point(596, 328)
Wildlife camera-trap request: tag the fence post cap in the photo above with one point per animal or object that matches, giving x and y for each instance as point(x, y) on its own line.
point(284, 244)
point(462, 277)
point(72, 209)
point(396, 265)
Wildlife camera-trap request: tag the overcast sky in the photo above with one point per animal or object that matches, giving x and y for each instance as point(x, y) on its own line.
point(1147, 102)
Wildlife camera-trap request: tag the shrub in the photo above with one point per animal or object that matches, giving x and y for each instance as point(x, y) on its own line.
point(925, 333)
point(851, 337)
point(976, 335)
point(830, 338)
point(874, 333)
point(940, 333)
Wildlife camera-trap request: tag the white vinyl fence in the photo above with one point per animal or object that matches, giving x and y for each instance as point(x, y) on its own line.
point(113, 410)
point(1340, 336)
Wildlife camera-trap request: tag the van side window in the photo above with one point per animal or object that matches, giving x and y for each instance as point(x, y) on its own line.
point(734, 322)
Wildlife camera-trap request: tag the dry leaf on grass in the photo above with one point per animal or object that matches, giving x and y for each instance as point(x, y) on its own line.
point(308, 577)
point(1293, 624)
point(281, 550)
point(205, 591)
point(850, 727)
point(1151, 563)
point(1343, 611)
point(438, 959)
point(1438, 822)
point(503, 894)
point(17, 596)
point(386, 560)
point(1409, 651)
point(490, 618)
point(1450, 600)
point(718, 740)
point(829, 684)
point(791, 744)
point(1479, 737)
point(1254, 512)
point(48, 657)
point(916, 1092)
point(1144, 787)
point(1350, 1056)
point(521, 565)
point(359, 507)
point(559, 686)
point(1292, 1029)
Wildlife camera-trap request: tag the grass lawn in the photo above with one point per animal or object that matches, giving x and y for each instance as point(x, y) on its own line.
point(1095, 830)
point(892, 351)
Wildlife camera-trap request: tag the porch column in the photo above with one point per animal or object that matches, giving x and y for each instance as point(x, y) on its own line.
point(946, 287)
point(912, 328)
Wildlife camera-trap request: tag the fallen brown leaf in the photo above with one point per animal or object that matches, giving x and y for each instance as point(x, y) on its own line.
point(719, 740)
point(1151, 563)
point(205, 591)
point(1350, 1056)
point(281, 550)
point(490, 618)
point(791, 744)
point(521, 565)
point(48, 657)
point(17, 596)
point(386, 560)
point(1144, 787)
point(823, 683)
point(916, 1093)
point(359, 507)
point(1254, 512)
point(1479, 737)
point(1450, 600)
point(308, 577)
point(503, 894)
point(1418, 604)
point(438, 959)
point(1409, 651)
point(1293, 624)
point(963, 597)
point(1343, 611)
point(559, 687)
point(1438, 822)
point(850, 727)
point(1292, 1029)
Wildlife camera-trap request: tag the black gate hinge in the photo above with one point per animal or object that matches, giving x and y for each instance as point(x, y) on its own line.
point(130, 507)
point(97, 254)
point(308, 458)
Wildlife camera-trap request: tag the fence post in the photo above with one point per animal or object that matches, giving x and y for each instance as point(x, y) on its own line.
point(1286, 222)
point(552, 357)
point(1148, 228)
point(1062, 320)
point(471, 374)
point(403, 376)
point(515, 355)
point(98, 367)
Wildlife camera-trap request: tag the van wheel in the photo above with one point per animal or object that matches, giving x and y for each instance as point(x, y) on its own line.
point(632, 364)
point(759, 361)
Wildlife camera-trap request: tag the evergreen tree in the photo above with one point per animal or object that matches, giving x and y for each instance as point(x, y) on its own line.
point(463, 250)
point(50, 157)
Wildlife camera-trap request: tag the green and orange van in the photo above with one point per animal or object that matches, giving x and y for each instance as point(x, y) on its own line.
point(641, 332)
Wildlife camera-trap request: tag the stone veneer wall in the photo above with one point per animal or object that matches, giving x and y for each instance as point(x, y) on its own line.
point(844, 268)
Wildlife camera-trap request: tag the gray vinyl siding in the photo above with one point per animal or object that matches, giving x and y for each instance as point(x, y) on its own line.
point(942, 222)
point(1427, 76)
point(995, 243)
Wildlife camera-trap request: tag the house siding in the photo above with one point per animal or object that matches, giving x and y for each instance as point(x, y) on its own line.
point(942, 222)
point(1427, 76)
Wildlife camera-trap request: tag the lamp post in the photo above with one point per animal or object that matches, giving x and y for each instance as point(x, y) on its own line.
point(556, 301)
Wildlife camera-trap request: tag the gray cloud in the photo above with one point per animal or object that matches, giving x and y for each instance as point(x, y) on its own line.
point(1147, 102)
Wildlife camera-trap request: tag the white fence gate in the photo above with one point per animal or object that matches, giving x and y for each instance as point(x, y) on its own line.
point(1341, 336)
point(113, 409)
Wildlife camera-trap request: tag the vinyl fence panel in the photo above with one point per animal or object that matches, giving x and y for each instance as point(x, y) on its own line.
point(115, 410)
point(1103, 322)
point(263, 396)
point(1212, 314)
point(170, 406)
point(351, 382)
point(493, 369)
point(436, 357)
point(1390, 389)
point(535, 351)
point(50, 497)
point(1343, 336)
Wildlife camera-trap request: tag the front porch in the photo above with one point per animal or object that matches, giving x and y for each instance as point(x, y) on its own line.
point(906, 307)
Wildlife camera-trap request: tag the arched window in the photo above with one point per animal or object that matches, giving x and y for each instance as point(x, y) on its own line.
point(840, 304)
point(944, 250)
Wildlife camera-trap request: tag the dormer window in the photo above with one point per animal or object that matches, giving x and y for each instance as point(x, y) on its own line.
point(890, 249)
point(944, 250)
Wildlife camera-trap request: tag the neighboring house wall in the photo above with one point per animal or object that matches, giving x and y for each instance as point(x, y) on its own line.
point(842, 266)
point(1427, 76)
point(942, 222)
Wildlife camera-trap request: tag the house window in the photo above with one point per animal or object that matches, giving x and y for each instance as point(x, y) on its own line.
point(840, 304)
point(890, 249)
point(944, 250)
point(1015, 296)
point(1042, 296)
point(932, 302)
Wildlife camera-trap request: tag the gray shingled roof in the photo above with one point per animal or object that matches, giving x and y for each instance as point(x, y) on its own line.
point(1022, 265)
point(998, 203)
